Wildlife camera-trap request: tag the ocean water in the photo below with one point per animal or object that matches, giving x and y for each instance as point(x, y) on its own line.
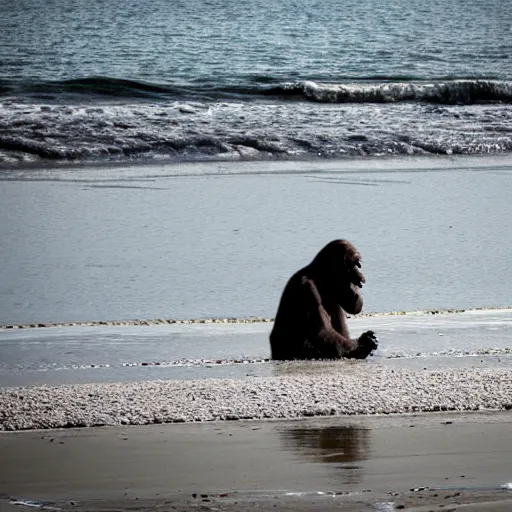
point(330, 95)
point(99, 353)
point(220, 240)
point(173, 80)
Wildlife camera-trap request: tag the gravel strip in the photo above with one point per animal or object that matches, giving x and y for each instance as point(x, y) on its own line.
point(361, 389)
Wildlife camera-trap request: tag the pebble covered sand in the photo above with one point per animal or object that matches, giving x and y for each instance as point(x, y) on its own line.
point(358, 388)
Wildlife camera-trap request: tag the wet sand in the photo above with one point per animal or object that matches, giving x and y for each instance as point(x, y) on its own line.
point(417, 462)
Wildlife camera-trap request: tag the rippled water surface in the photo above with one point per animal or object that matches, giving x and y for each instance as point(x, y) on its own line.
point(58, 355)
point(293, 84)
point(132, 81)
point(222, 42)
point(207, 240)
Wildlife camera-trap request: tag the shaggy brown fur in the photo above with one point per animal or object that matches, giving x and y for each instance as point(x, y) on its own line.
point(311, 321)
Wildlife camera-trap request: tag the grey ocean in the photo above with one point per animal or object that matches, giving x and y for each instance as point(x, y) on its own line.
point(171, 80)
point(181, 160)
point(200, 241)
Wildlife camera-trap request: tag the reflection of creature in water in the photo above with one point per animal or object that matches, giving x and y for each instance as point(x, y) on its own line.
point(340, 445)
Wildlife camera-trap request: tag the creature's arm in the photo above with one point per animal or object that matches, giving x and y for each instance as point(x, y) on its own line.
point(321, 334)
point(329, 332)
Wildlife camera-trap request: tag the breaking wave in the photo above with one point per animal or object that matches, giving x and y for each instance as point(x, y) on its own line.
point(464, 92)
point(364, 90)
point(104, 120)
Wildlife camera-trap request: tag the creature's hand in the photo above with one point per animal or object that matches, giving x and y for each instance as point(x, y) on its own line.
point(368, 340)
point(366, 344)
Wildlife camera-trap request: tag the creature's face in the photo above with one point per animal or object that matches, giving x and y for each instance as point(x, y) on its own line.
point(338, 276)
point(354, 275)
point(350, 280)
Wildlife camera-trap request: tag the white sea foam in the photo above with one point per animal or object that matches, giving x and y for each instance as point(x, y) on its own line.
point(261, 130)
point(452, 92)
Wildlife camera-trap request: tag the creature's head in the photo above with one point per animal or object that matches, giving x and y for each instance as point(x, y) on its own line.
point(337, 270)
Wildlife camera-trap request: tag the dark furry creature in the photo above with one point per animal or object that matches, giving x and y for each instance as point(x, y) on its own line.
point(311, 321)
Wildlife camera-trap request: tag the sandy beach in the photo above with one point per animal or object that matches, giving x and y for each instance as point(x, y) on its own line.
point(438, 461)
point(361, 459)
point(459, 361)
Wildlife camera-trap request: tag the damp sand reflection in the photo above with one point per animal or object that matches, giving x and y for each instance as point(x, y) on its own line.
point(344, 446)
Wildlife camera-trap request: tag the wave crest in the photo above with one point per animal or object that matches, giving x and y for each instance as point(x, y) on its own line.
point(466, 92)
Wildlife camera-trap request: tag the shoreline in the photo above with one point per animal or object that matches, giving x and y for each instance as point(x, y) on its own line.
point(347, 437)
point(356, 463)
point(278, 165)
point(242, 320)
point(474, 340)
